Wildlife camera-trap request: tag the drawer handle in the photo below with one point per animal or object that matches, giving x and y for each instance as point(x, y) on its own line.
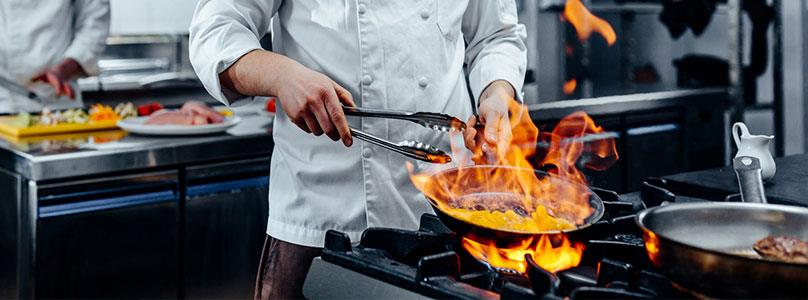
point(104, 204)
point(212, 188)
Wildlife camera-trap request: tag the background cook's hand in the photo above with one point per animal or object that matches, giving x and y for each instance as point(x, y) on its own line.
point(314, 102)
point(59, 77)
point(493, 112)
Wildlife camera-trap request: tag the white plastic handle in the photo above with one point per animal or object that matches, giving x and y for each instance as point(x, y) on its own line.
point(744, 131)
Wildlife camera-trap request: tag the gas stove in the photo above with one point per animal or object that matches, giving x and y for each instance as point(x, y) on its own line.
point(431, 263)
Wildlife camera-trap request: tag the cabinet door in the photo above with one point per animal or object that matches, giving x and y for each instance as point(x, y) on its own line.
point(226, 217)
point(118, 240)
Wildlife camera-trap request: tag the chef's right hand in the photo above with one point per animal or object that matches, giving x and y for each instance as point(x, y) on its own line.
point(310, 99)
point(314, 102)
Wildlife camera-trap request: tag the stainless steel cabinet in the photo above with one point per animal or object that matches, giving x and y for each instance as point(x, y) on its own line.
point(225, 222)
point(108, 238)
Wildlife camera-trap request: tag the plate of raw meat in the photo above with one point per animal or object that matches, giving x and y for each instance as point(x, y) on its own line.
point(193, 118)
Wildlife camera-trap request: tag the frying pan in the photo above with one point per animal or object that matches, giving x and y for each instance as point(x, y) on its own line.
point(706, 248)
point(477, 201)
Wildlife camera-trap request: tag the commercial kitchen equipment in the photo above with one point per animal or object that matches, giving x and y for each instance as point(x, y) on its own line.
point(140, 217)
point(430, 263)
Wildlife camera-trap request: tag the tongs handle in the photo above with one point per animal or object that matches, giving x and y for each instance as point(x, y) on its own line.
point(376, 113)
point(435, 121)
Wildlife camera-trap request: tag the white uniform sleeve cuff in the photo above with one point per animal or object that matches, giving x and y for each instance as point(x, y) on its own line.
point(86, 59)
point(493, 68)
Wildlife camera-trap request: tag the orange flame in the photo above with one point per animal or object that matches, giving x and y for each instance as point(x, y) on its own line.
point(548, 257)
point(512, 197)
point(569, 86)
point(585, 22)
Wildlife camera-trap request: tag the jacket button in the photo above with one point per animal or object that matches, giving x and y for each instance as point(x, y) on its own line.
point(366, 153)
point(367, 80)
point(361, 9)
point(423, 82)
point(425, 14)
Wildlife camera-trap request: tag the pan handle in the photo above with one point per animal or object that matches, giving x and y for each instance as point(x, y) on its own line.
point(750, 180)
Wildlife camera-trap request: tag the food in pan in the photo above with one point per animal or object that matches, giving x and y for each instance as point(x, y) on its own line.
point(504, 211)
point(508, 220)
point(191, 113)
point(784, 248)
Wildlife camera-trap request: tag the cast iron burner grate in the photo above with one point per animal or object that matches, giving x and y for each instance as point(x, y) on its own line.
point(431, 262)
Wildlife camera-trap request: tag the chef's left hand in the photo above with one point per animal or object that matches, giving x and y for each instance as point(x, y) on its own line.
point(59, 77)
point(493, 112)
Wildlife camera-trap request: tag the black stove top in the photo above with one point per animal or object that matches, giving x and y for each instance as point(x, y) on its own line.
point(431, 263)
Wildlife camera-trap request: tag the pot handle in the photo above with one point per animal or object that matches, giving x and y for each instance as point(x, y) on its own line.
point(737, 136)
point(750, 179)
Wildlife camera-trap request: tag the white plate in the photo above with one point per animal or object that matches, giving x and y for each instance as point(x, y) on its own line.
point(135, 125)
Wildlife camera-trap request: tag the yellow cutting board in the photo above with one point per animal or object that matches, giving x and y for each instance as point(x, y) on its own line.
point(6, 127)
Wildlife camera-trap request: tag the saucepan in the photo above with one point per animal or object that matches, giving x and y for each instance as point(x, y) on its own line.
point(707, 248)
point(490, 199)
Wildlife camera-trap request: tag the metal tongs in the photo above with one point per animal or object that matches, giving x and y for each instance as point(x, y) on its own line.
point(412, 149)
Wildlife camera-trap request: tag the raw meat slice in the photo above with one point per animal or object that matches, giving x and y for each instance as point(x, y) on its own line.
point(200, 108)
point(165, 117)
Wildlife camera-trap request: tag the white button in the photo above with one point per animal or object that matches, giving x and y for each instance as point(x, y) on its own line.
point(366, 153)
point(423, 82)
point(425, 14)
point(367, 80)
point(362, 8)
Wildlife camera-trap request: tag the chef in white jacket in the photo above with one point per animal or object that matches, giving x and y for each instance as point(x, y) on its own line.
point(46, 45)
point(402, 55)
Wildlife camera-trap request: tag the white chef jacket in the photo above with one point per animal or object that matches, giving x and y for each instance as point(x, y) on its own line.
point(38, 34)
point(403, 55)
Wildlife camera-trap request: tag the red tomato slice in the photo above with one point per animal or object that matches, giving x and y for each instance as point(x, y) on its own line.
point(271, 105)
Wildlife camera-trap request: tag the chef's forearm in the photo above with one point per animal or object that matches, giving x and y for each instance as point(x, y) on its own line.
point(92, 19)
point(256, 73)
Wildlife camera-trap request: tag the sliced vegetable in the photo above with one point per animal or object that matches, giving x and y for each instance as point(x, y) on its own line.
point(271, 105)
point(148, 108)
point(22, 120)
point(101, 112)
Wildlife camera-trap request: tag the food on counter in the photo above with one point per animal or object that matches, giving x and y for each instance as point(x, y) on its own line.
point(96, 113)
point(784, 248)
point(148, 108)
point(102, 112)
point(271, 105)
point(22, 119)
point(201, 109)
point(191, 113)
point(49, 117)
point(126, 110)
point(170, 117)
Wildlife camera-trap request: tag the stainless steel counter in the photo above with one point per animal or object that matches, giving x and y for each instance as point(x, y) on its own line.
point(45, 158)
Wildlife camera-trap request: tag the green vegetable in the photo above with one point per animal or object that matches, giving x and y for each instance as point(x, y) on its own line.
point(22, 120)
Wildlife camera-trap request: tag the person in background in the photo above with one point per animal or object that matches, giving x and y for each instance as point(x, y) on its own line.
point(402, 55)
point(46, 45)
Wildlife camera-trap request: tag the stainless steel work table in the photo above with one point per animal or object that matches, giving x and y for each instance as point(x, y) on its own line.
point(251, 137)
point(100, 197)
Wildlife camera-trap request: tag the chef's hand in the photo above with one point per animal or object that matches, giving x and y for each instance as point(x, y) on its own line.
point(59, 77)
point(310, 99)
point(314, 102)
point(493, 112)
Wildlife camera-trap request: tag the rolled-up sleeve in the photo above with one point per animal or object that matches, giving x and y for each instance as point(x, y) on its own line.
point(495, 45)
point(91, 27)
point(221, 32)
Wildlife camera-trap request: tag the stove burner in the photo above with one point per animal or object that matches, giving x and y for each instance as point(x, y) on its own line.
point(431, 261)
